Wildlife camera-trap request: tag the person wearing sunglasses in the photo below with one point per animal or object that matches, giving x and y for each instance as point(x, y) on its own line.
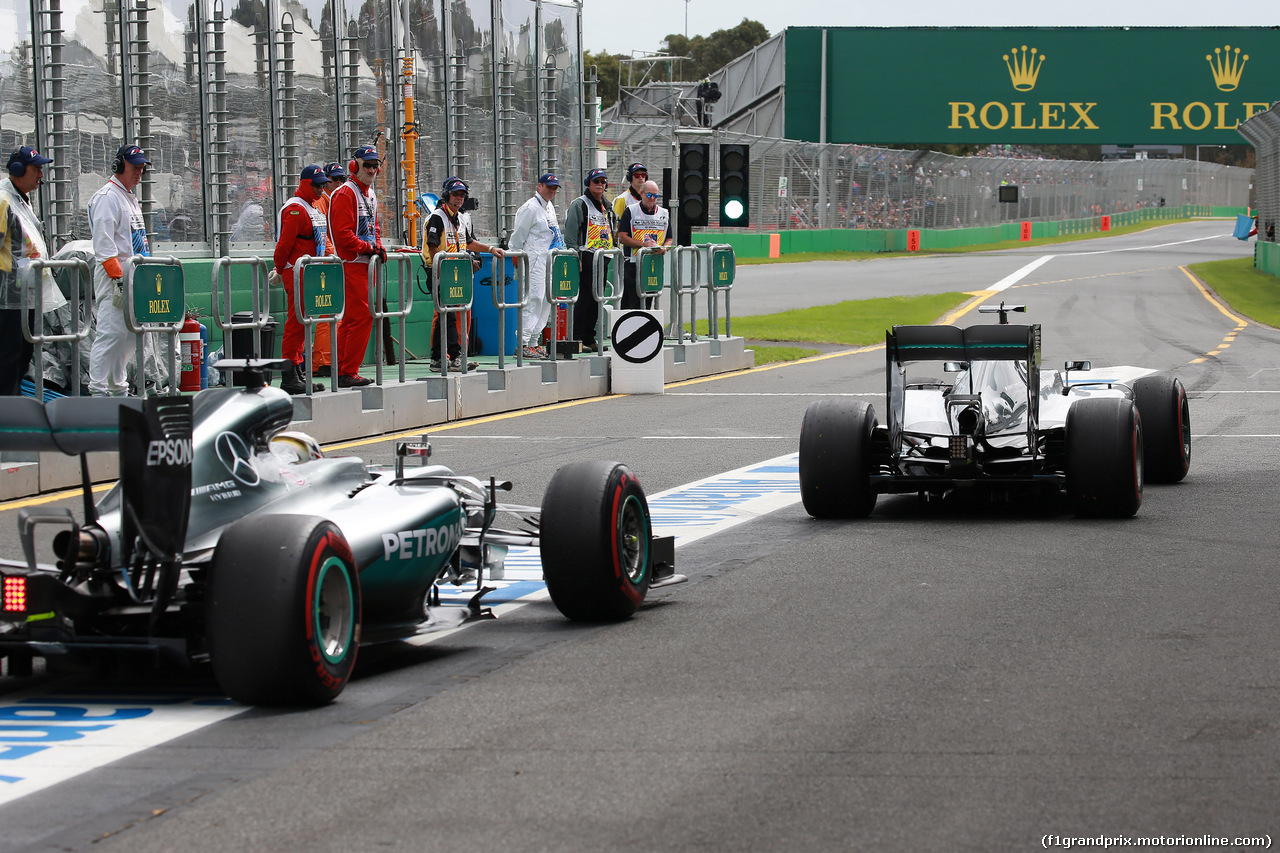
point(646, 225)
point(357, 239)
point(637, 174)
point(590, 225)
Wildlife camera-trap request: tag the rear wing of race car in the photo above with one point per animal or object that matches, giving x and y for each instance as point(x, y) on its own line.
point(1006, 342)
point(70, 425)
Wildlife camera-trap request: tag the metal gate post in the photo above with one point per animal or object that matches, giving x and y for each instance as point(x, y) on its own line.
point(378, 290)
point(520, 262)
point(258, 269)
point(303, 316)
point(142, 328)
point(449, 307)
point(614, 297)
point(80, 268)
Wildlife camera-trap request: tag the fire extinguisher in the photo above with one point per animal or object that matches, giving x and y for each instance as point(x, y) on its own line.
point(192, 354)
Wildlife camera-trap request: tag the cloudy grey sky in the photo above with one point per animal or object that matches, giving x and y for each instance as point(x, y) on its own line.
point(641, 25)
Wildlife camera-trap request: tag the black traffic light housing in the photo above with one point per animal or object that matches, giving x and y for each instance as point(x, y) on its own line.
point(735, 186)
point(693, 186)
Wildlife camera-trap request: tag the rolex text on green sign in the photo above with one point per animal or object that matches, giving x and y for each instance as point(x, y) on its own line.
point(564, 278)
point(323, 293)
point(651, 270)
point(159, 295)
point(455, 281)
point(1145, 85)
point(722, 267)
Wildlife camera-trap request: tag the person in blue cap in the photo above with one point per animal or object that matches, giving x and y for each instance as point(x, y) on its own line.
point(21, 241)
point(536, 232)
point(589, 224)
point(357, 238)
point(119, 232)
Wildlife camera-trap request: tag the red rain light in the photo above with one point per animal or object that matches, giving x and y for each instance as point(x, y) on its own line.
point(15, 594)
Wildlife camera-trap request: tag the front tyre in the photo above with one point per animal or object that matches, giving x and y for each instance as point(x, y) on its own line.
point(283, 610)
point(594, 538)
point(1104, 457)
point(835, 459)
point(1166, 427)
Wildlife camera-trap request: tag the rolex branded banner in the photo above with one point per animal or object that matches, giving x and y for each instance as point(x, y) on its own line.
point(1125, 86)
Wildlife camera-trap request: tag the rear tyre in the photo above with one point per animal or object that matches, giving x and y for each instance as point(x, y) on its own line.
point(1166, 427)
point(1104, 458)
point(835, 459)
point(594, 537)
point(283, 610)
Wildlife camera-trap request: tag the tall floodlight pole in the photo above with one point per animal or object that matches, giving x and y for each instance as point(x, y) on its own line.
point(686, 19)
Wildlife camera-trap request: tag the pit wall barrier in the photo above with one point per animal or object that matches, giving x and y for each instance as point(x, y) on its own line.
point(757, 244)
point(1266, 257)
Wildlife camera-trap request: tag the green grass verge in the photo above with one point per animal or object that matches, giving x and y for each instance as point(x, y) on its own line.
point(771, 355)
point(1248, 291)
point(856, 323)
point(800, 257)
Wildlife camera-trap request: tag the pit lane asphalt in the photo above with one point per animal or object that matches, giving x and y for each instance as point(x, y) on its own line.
point(935, 677)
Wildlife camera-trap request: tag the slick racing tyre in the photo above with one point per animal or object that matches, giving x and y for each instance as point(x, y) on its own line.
point(283, 610)
point(595, 541)
point(1104, 458)
point(835, 459)
point(1166, 427)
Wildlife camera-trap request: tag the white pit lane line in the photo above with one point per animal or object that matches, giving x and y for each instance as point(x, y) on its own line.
point(51, 736)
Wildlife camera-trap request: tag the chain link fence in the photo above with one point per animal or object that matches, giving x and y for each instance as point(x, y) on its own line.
point(813, 185)
point(1263, 130)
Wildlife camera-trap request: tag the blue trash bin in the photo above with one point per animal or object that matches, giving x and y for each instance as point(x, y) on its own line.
point(486, 316)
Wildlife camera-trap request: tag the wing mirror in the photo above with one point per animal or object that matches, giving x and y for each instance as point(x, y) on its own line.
point(955, 366)
point(1069, 366)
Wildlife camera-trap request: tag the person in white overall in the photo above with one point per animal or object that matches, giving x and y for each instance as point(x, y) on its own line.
point(119, 233)
point(537, 232)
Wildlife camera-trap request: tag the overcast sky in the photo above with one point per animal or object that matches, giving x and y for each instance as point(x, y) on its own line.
point(624, 27)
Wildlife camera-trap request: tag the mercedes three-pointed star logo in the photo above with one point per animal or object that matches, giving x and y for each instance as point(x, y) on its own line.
point(234, 453)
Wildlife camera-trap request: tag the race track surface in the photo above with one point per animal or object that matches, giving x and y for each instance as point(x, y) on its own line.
point(936, 677)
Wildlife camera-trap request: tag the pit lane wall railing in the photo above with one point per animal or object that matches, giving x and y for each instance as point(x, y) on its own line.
point(751, 244)
point(1263, 130)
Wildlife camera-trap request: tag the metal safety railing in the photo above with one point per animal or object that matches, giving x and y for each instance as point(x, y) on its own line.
point(176, 303)
point(720, 277)
point(81, 272)
point(302, 313)
point(377, 294)
point(452, 298)
point(259, 269)
point(563, 287)
point(650, 278)
point(685, 284)
point(614, 296)
point(520, 263)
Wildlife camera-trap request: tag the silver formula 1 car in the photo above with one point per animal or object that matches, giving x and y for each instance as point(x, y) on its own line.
point(1001, 425)
point(231, 540)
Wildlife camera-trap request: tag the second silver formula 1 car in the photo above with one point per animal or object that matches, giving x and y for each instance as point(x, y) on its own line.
point(1001, 424)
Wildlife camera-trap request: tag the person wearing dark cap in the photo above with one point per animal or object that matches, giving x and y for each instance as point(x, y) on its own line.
point(589, 224)
point(119, 232)
point(21, 241)
point(320, 349)
point(303, 231)
point(537, 232)
point(357, 239)
point(637, 174)
point(448, 229)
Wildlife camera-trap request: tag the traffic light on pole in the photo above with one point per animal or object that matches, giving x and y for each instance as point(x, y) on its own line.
point(694, 182)
point(735, 186)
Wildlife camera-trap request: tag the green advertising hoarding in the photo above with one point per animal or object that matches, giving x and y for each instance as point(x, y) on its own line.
point(1124, 86)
